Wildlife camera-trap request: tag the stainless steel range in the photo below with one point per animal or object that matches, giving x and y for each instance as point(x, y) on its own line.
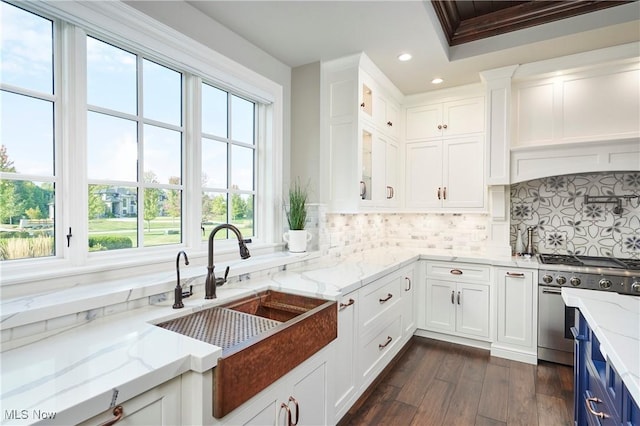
point(555, 342)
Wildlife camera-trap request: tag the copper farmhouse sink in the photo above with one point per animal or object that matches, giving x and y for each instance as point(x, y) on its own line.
point(262, 336)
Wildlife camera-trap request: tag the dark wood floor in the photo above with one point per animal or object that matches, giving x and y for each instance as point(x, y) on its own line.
point(439, 383)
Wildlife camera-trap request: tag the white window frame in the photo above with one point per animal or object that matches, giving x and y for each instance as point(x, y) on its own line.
point(130, 29)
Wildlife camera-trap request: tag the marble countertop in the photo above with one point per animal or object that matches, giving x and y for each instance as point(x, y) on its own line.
point(76, 373)
point(615, 320)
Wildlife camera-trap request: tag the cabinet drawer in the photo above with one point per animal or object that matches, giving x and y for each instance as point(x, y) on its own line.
point(377, 346)
point(459, 272)
point(377, 299)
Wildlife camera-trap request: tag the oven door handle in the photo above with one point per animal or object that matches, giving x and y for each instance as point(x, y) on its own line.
point(551, 291)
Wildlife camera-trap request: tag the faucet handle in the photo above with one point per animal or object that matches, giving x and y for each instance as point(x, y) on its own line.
point(220, 281)
point(226, 273)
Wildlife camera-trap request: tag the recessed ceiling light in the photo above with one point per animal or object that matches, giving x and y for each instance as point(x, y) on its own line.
point(437, 80)
point(404, 57)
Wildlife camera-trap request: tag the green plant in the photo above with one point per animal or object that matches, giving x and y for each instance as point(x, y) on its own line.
point(297, 213)
point(109, 242)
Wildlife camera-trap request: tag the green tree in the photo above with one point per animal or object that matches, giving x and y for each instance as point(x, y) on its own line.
point(152, 197)
point(34, 213)
point(238, 207)
point(96, 204)
point(9, 208)
point(219, 206)
point(174, 202)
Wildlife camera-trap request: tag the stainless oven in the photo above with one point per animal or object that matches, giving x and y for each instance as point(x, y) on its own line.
point(555, 342)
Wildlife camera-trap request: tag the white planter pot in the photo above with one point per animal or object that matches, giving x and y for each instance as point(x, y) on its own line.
point(297, 240)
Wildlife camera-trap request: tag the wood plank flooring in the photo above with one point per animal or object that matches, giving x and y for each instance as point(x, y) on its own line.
point(439, 383)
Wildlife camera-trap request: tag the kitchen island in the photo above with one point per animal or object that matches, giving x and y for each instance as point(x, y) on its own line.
point(607, 367)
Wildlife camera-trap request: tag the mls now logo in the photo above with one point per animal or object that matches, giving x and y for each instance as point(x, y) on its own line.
point(28, 414)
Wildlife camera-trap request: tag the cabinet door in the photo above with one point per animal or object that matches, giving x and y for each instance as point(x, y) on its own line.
point(463, 179)
point(409, 302)
point(463, 117)
point(309, 397)
point(158, 406)
point(423, 174)
point(441, 312)
point(423, 122)
point(516, 301)
point(345, 369)
point(392, 158)
point(472, 313)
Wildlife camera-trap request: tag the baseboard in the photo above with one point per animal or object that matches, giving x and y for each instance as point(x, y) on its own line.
point(514, 354)
point(453, 339)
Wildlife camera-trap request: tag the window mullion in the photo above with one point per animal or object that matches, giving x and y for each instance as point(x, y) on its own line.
point(140, 150)
point(74, 197)
point(192, 171)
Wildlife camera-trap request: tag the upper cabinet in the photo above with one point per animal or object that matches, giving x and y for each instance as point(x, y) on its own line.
point(444, 152)
point(445, 119)
point(362, 114)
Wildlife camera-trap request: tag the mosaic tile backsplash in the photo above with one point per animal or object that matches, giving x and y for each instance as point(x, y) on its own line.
point(555, 207)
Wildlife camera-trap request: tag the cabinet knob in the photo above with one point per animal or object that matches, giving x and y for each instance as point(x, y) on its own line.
point(444, 126)
point(389, 123)
point(439, 126)
point(362, 105)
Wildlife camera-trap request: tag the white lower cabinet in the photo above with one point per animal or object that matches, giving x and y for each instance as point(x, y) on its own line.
point(157, 406)
point(517, 316)
point(457, 300)
point(374, 323)
point(300, 397)
point(345, 383)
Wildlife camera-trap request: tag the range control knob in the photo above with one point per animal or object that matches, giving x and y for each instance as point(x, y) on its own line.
point(604, 284)
point(635, 287)
point(547, 279)
point(561, 280)
point(575, 281)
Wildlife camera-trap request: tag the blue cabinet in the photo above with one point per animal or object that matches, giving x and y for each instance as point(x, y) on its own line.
point(600, 397)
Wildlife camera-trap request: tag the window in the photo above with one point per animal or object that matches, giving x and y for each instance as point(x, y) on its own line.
point(28, 147)
point(134, 150)
point(228, 161)
point(108, 112)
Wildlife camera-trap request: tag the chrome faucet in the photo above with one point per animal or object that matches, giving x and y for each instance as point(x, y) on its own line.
point(212, 282)
point(177, 304)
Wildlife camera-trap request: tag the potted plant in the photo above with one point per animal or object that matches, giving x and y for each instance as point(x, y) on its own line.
point(297, 237)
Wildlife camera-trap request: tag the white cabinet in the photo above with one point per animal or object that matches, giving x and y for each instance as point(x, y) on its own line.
point(157, 406)
point(345, 376)
point(374, 323)
point(446, 174)
point(444, 154)
point(447, 119)
point(517, 319)
point(457, 300)
point(301, 396)
point(593, 105)
point(361, 112)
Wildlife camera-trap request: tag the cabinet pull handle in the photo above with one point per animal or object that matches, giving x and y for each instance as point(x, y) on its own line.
point(439, 194)
point(292, 399)
point(452, 293)
point(389, 123)
point(455, 272)
point(600, 414)
point(408, 280)
point(386, 299)
point(393, 192)
point(118, 412)
point(444, 193)
point(444, 126)
point(286, 407)
point(385, 344)
point(458, 298)
point(346, 305)
point(515, 274)
point(389, 192)
point(363, 189)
